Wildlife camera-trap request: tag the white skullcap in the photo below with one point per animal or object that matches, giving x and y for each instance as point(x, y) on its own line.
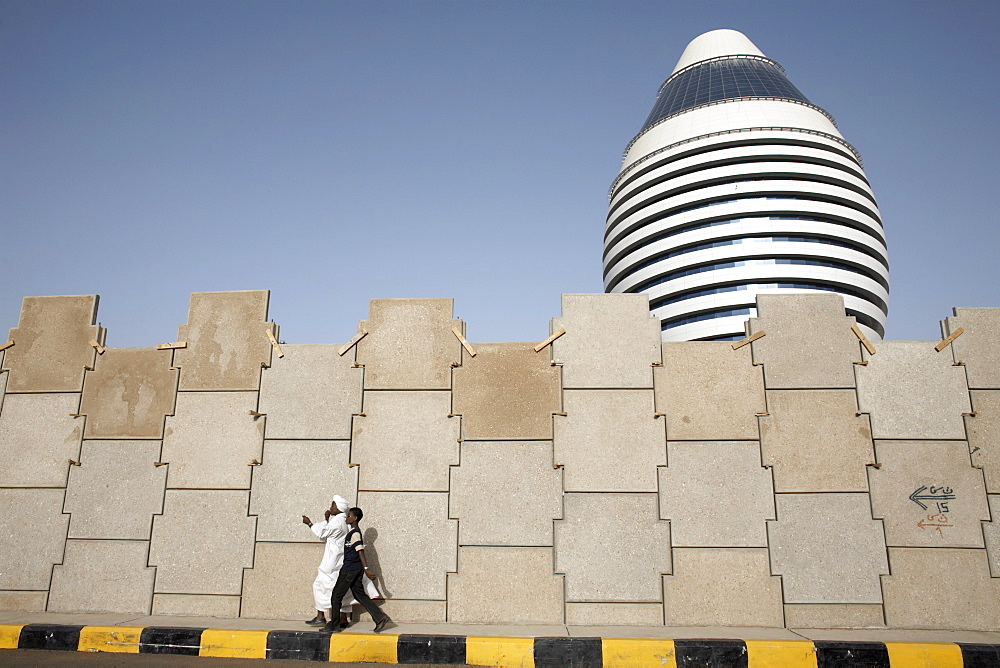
point(341, 503)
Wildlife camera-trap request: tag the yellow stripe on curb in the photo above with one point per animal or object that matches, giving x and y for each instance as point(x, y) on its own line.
point(10, 634)
point(780, 654)
point(119, 639)
point(638, 652)
point(374, 648)
point(234, 644)
point(914, 654)
point(500, 651)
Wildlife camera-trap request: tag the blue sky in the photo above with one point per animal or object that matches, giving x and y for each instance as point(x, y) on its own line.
point(334, 151)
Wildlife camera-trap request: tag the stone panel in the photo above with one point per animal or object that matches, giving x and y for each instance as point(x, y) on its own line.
point(506, 493)
point(614, 614)
point(984, 436)
point(311, 392)
point(708, 391)
point(808, 341)
point(612, 533)
point(978, 346)
point(116, 490)
point(226, 335)
point(128, 394)
point(279, 586)
point(202, 542)
point(38, 437)
point(406, 441)
point(941, 589)
point(32, 523)
point(211, 440)
point(828, 548)
point(409, 345)
point(23, 601)
point(505, 585)
point(299, 478)
point(816, 441)
point(103, 576)
point(606, 327)
point(403, 610)
point(991, 531)
point(927, 494)
point(507, 391)
point(913, 392)
point(836, 616)
point(193, 605)
point(722, 587)
point(601, 425)
point(410, 541)
point(716, 494)
point(52, 344)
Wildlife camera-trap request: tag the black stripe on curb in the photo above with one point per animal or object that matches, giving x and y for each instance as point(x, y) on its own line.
point(430, 649)
point(980, 656)
point(49, 636)
point(569, 652)
point(844, 654)
point(168, 640)
point(696, 653)
point(302, 645)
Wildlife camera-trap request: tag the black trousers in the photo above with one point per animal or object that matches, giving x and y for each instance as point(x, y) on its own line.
point(351, 579)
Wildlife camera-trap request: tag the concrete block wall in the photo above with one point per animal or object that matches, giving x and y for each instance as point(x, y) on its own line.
point(807, 478)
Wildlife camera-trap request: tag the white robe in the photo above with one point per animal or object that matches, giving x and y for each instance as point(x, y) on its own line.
point(333, 532)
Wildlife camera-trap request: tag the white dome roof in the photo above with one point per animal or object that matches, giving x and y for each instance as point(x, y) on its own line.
point(714, 44)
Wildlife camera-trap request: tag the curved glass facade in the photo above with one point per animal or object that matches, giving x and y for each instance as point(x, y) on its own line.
point(721, 80)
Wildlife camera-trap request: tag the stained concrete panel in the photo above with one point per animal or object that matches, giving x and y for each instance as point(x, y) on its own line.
point(405, 441)
point(410, 541)
point(38, 437)
point(103, 576)
point(928, 495)
point(311, 392)
point(531, 594)
point(52, 344)
point(299, 478)
point(226, 336)
point(828, 548)
point(808, 342)
point(606, 327)
point(716, 494)
point(612, 533)
point(202, 542)
point(614, 614)
point(708, 391)
point(815, 441)
point(984, 436)
point(279, 586)
point(722, 587)
point(913, 392)
point(116, 490)
point(834, 616)
point(32, 523)
point(991, 531)
point(212, 439)
point(941, 589)
point(507, 391)
point(193, 605)
point(23, 601)
point(506, 493)
point(129, 393)
point(601, 425)
point(978, 345)
point(409, 345)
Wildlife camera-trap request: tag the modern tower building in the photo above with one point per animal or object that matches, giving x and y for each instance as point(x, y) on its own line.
point(737, 185)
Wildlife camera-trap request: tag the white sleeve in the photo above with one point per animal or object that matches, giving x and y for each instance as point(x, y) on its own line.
point(323, 530)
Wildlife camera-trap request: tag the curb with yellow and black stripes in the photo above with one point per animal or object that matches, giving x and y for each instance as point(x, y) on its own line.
point(491, 651)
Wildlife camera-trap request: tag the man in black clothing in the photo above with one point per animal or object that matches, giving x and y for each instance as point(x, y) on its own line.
point(355, 564)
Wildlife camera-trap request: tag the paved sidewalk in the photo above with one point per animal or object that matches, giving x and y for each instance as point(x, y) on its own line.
point(497, 645)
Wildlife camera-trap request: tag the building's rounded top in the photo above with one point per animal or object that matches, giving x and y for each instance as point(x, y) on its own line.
point(715, 44)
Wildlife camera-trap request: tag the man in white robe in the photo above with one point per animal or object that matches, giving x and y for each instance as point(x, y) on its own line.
point(332, 530)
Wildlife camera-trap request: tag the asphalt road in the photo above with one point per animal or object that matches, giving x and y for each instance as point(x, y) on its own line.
point(41, 657)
